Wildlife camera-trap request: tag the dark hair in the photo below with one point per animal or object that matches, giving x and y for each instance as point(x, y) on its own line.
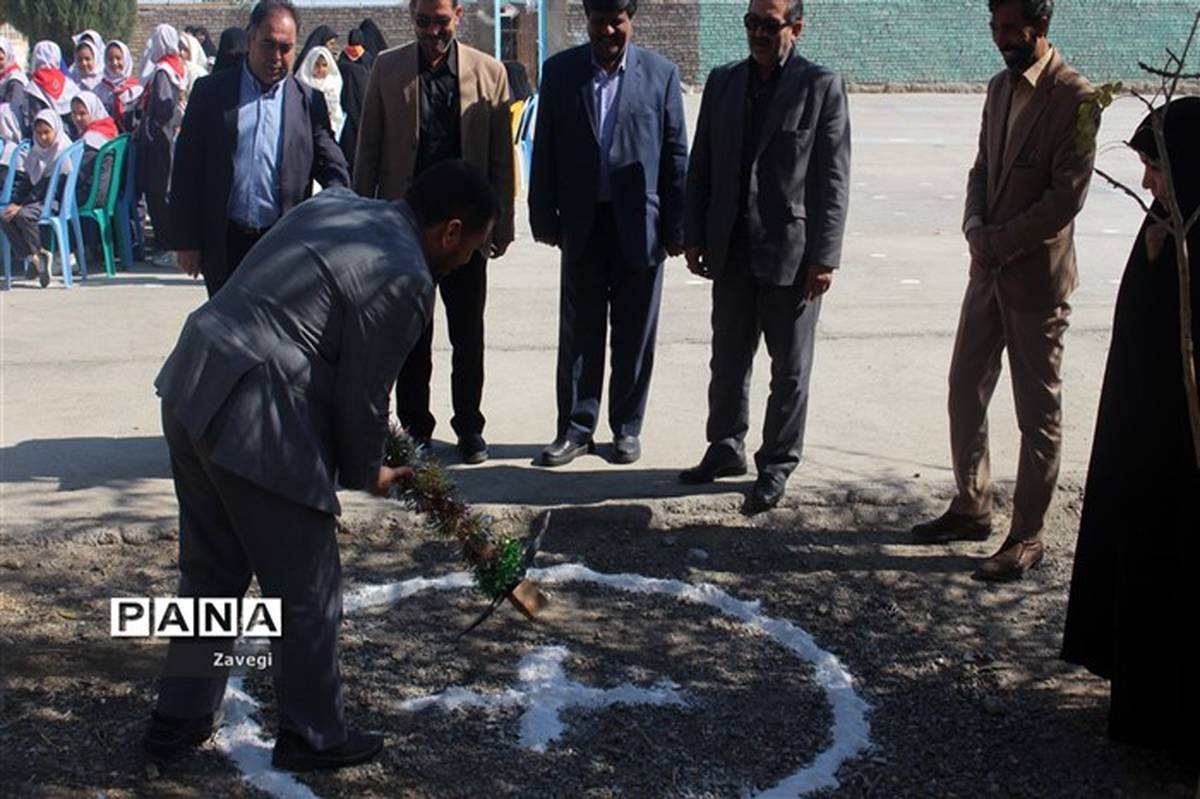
point(412, 4)
point(610, 6)
point(265, 8)
point(1030, 9)
point(453, 189)
point(795, 10)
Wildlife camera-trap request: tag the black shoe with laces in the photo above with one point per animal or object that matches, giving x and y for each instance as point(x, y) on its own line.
point(293, 753)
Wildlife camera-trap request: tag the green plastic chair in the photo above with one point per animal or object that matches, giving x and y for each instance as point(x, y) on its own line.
point(102, 210)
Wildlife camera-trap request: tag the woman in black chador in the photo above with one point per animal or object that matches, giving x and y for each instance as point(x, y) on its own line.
point(1134, 612)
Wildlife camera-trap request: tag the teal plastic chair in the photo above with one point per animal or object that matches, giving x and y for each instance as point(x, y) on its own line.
point(103, 210)
point(5, 198)
point(129, 225)
point(66, 219)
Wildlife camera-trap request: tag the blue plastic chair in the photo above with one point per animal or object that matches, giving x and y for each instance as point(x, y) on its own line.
point(67, 217)
point(5, 199)
point(525, 135)
point(127, 210)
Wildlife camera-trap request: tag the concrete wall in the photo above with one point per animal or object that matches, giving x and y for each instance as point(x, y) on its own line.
point(947, 41)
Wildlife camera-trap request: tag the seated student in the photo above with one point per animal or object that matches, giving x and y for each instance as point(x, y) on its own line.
point(19, 220)
point(10, 138)
point(120, 90)
point(49, 87)
point(91, 117)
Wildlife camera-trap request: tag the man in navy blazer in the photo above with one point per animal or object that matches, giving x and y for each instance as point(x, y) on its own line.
point(252, 142)
point(607, 188)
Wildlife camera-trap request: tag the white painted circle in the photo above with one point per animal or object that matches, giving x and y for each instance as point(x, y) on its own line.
point(242, 740)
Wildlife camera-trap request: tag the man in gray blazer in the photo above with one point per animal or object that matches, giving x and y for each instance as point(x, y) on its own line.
point(276, 392)
point(767, 190)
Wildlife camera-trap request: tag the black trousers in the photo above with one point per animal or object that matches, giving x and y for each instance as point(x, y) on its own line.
point(160, 219)
point(238, 241)
point(595, 289)
point(743, 311)
point(229, 530)
point(464, 295)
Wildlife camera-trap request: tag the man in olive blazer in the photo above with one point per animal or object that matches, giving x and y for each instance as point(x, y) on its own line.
point(1029, 181)
point(426, 101)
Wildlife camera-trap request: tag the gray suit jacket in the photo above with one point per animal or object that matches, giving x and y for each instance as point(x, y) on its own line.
point(799, 180)
point(283, 377)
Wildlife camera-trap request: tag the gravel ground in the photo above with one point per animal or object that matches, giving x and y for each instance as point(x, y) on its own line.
point(967, 697)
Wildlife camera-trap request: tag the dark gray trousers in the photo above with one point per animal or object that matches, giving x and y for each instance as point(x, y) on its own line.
point(600, 291)
point(229, 530)
point(743, 309)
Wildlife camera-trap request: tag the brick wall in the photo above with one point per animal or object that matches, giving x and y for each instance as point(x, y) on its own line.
point(906, 42)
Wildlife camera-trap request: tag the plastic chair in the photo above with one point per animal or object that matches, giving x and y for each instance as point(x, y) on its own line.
point(5, 199)
point(127, 210)
point(102, 210)
point(67, 217)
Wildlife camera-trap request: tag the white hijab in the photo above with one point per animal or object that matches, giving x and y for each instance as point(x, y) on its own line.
point(10, 133)
point(96, 110)
point(89, 80)
point(41, 159)
point(196, 62)
point(10, 60)
point(48, 55)
point(113, 81)
point(330, 86)
point(164, 41)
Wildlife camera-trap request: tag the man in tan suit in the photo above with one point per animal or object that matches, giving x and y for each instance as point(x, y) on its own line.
point(429, 101)
point(1029, 181)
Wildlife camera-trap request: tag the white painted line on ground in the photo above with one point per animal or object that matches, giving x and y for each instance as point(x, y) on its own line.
point(908, 281)
point(878, 196)
point(697, 282)
point(241, 739)
point(879, 255)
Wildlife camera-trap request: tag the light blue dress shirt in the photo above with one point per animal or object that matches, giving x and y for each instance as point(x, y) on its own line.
point(254, 201)
point(606, 98)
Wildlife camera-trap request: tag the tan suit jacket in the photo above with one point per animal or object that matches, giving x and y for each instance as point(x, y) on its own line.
point(1028, 192)
point(387, 139)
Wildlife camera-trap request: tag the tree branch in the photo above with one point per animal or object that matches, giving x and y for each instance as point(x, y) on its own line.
point(1116, 184)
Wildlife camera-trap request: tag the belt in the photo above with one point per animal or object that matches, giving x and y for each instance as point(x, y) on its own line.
point(248, 231)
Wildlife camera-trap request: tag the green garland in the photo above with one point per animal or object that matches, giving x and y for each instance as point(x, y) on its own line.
point(496, 563)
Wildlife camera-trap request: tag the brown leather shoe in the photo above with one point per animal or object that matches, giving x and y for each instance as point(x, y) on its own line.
point(1011, 562)
point(951, 526)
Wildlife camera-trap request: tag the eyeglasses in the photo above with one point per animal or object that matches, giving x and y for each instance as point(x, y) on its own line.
point(424, 21)
point(768, 25)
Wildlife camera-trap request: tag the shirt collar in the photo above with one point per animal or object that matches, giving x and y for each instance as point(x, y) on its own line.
point(1034, 73)
point(602, 72)
point(251, 83)
point(450, 62)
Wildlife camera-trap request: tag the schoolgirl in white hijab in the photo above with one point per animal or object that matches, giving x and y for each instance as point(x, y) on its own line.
point(40, 158)
point(10, 72)
point(162, 55)
point(329, 84)
point(195, 62)
point(54, 89)
point(118, 90)
point(88, 75)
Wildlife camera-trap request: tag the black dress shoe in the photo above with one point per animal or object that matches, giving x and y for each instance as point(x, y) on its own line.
point(564, 450)
point(765, 495)
point(951, 526)
point(293, 753)
point(710, 469)
point(166, 738)
point(472, 449)
point(626, 449)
